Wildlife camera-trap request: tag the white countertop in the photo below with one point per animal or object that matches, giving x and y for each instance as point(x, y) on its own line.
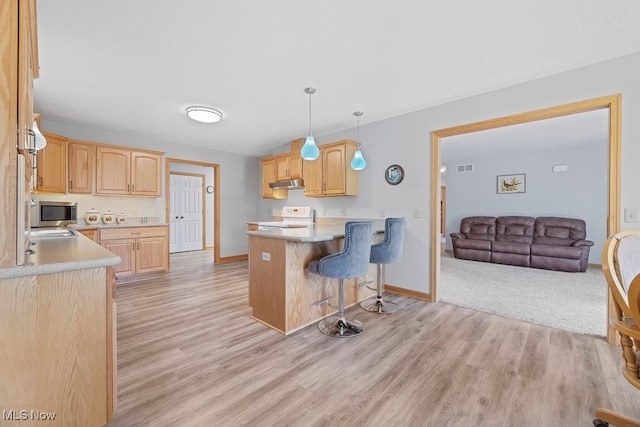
point(126, 225)
point(60, 255)
point(316, 233)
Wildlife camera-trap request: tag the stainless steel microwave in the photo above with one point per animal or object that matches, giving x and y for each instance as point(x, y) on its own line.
point(54, 214)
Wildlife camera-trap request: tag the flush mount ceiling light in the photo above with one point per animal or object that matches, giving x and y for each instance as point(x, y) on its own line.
point(204, 114)
point(309, 150)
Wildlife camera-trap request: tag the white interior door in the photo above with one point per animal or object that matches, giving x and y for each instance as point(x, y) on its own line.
point(186, 225)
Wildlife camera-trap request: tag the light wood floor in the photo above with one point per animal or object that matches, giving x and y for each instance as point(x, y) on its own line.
point(189, 354)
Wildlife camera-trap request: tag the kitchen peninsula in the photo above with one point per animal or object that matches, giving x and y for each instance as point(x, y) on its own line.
point(282, 293)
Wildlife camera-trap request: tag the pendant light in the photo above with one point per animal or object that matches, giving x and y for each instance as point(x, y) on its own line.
point(309, 150)
point(358, 162)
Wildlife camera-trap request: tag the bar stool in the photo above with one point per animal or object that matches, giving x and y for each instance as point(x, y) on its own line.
point(352, 261)
point(386, 252)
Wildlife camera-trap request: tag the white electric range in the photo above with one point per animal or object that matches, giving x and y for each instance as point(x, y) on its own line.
point(292, 217)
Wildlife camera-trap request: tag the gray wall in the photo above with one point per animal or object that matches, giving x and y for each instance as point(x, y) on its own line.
point(237, 186)
point(580, 192)
point(406, 140)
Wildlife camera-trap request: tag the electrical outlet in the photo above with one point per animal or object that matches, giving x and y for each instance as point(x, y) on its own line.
point(416, 213)
point(266, 256)
point(630, 214)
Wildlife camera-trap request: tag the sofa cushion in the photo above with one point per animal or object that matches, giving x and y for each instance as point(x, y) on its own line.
point(479, 227)
point(556, 251)
point(550, 230)
point(515, 229)
point(482, 245)
point(511, 248)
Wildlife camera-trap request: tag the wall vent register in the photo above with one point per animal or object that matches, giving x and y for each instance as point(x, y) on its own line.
point(465, 168)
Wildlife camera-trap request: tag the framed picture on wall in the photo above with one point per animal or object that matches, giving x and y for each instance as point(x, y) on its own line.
point(509, 184)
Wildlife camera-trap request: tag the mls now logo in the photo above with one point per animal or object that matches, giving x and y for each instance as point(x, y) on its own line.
point(23, 414)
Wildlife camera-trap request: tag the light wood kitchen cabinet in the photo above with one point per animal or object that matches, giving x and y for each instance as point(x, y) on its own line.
point(62, 358)
point(19, 66)
point(51, 166)
point(331, 174)
point(288, 166)
point(91, 233)
point(141, 249)
point(269, 175)
point(81, 158)
point(127, 172)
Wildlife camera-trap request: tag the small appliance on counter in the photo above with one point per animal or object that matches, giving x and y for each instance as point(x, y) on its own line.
point(53, 214)
point(292, 217)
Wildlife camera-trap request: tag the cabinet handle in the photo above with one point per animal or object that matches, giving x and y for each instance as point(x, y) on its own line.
point(70, 185)
point(128, 188)
point(133, 246)
point(133, 188)
point(31, 147)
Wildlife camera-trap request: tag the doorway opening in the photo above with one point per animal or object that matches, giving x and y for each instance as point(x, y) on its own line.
point(613, 103)
point(210, 206)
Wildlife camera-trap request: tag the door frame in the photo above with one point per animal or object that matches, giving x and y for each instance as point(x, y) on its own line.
point(216, 198)
point(612, 102)
point(203, 198)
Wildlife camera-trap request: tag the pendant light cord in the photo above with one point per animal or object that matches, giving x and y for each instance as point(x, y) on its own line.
point(310, 114)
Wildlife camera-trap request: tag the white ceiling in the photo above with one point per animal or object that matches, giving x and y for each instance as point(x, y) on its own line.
point(134, 66)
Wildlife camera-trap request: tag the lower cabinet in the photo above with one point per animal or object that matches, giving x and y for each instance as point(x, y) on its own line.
point(141, 249)
point(58, 357)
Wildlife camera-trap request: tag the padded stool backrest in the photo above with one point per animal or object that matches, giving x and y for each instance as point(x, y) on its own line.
point(353, 259)
point(390, 249)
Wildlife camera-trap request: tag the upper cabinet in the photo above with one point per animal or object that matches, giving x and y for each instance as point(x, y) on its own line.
point(127, 172)
point(289, 165)
point(269, 175)
point(330, 174)
point(81, 167)
point(51, 166)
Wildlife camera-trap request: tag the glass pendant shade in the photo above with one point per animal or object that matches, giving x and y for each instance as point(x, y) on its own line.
point(358, 162)
point(41, 141)
point(309, 150)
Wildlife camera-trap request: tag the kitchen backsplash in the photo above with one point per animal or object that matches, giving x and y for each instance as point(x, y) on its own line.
point(135, 208)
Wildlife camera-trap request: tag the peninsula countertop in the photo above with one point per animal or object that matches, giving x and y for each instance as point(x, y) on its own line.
point(60, 255)
point(315, 233)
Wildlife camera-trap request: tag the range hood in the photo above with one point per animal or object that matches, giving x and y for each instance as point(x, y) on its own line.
point(292, 184)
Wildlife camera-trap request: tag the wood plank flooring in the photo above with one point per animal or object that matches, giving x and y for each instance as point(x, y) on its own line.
point(189, 354)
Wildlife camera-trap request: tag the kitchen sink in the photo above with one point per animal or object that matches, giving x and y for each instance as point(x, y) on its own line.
point(52, 233)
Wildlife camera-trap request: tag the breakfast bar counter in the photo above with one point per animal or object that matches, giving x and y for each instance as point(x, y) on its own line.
point(282, 293)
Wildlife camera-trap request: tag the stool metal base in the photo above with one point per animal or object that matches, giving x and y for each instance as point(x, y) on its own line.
point(340, 327)
point(379, 306)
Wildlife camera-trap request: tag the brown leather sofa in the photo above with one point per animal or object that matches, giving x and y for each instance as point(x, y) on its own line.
point(551, 243)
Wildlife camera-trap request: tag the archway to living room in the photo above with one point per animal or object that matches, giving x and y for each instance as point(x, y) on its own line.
point(612, 104)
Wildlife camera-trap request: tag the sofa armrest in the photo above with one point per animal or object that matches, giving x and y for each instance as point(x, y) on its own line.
point(581, 243)
point(457, 236)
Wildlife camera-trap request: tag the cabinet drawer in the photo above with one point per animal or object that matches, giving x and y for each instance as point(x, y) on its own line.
point(132, 233)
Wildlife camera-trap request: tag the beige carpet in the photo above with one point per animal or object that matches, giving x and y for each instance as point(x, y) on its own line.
point(574, 302)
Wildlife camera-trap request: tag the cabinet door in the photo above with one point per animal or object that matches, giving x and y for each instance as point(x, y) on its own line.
point(269, 175)
point(113, 170)
point(146, 174)
point(282, 167)
point(51, 168)
point(80, 165)
point(151, 254)
point(312, 174)
point(125, 249)
point(333, 169)
point(295, 165)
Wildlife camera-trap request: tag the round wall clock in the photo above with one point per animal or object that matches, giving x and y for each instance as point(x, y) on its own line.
point(394, 174)
point(209, 189)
